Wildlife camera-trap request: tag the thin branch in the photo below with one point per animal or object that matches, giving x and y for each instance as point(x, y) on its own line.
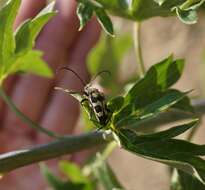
point(24, 118)
point(67, 145)
point(188, 3)
point(138, 48)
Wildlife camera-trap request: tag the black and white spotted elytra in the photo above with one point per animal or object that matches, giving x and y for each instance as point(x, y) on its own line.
point(95, 98)
point(97, 102)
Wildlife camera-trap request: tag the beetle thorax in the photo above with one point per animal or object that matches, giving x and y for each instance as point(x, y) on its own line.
point(90, 90)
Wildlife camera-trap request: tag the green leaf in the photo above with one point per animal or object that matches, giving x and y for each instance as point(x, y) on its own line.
point(183, 181)
point(57, 184)
point(187, 16)
point(31, 62)
point(16, 54)
point(184, 104)
point(72, 171)
point(85, 9)
point(104, 174)
point(151, 95)
point(75, 175)
point(7, 42)
point(84, 13)
point(88, 125)
point(115, 104)
point(105, 21)
point(135, 117)
point(162, 104)
point(139, 10)
point(52, 180)
point(172, 132)
point(157, 79)
point(27, 32)
point(171, 149)
point(175, 153)
point(124, 117)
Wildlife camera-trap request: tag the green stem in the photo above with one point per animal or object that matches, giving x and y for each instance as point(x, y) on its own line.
point(138, 48)
point(24, 118)
point(16, 159)
point(187, 4)
point(108, 150)
point(67, 145)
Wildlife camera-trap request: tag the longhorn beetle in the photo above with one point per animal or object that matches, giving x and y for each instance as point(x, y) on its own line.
point(94, 97)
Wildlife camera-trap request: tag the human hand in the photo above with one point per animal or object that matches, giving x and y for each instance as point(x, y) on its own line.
point(62, 45)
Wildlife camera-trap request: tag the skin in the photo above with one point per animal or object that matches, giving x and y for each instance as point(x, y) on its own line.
point(63, 45)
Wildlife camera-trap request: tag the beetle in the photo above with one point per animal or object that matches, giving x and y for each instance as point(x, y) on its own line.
point(96, 99)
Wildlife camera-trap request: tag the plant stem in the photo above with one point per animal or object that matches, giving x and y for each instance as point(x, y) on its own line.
point(109, 149)
point(188, 3)
point(24, 118)
point(138, 48)
point(16, 159)
point(66, 145)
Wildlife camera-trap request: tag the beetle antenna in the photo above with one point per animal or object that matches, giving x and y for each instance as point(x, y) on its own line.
point(66, 68)
point(98, 74)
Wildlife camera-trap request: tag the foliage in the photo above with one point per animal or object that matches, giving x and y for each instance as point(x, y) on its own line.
point(16, 54)
point(145, 99)
point(85, 11)
point(78, 182)
point(183, 181)
point(148, 97)
point(103, 173)
point(83, 179)
point(138, 10)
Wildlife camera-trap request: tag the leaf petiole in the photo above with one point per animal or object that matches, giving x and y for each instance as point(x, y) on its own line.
point(138, 48)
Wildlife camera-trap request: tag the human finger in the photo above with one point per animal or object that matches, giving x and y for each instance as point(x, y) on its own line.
point(28, 9)
point(30, 94)
point(62, 112)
